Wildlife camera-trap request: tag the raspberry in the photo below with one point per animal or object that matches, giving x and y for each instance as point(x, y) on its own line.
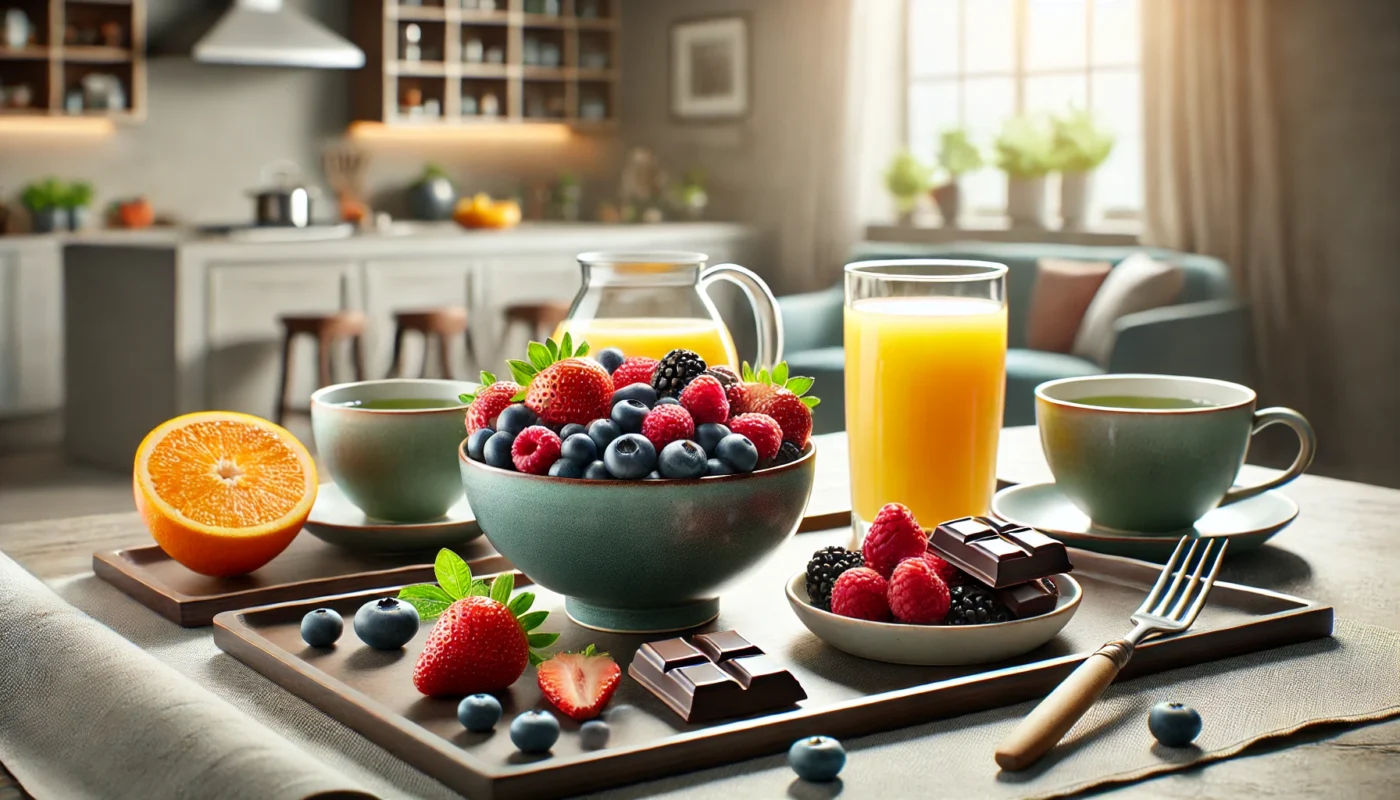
point(860, 594)
point(894, 536)
point(762, 430)
point(668, 423)
point(917, 595)
point(637, 369)
point(704, 398)
point(535, 450)
point(950, 574)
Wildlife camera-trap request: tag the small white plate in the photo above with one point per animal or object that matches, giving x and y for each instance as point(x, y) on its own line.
point(335, 520)
point(934, 645)
point(1248, 523)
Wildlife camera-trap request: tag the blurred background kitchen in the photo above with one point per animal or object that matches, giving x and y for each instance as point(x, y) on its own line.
point(200, 198)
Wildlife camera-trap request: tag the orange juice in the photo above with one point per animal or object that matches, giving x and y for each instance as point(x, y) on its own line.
point(925, 383)
point(654, 336)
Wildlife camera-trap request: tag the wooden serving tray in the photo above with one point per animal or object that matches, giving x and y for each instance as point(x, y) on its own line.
point(372, 691)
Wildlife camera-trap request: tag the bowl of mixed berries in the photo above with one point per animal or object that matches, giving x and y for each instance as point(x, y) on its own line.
point(902, 599)
point(636, 487)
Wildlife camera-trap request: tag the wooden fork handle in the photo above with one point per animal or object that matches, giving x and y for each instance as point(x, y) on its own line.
point(1048, 722)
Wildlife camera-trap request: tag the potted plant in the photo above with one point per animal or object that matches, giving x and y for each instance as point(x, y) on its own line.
point(76, 201)
point(906, 179)
point(957, 156)
point(433, 197)
point(568, 192)
point(41, 199)
point(690, 193)
point(1024, 151)
point(1080, 146)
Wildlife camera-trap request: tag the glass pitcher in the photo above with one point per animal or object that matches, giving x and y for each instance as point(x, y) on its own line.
point(649, 303)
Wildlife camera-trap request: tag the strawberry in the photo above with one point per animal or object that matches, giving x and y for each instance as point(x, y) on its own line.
point(666, 424)
point(754, 388)
point(635, 369)
point(561, 386)
point(791, 413)
point(704, 398)
point(481, 641)
point(762, 430)
point(579, 684)
point(488, 401)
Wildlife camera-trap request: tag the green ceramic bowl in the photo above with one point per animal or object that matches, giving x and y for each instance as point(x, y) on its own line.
point(638, 556)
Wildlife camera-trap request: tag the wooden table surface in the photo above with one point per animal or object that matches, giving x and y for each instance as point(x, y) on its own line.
point(1344, 550)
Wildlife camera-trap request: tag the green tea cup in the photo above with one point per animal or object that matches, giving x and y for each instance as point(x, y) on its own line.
point(1153, 453)
point(391, 445)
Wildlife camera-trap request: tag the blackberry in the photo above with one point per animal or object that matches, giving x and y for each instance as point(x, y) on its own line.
point(726, 376)
point(825, 567)
point(677, 369)
point(787, 454)
point(974, 605)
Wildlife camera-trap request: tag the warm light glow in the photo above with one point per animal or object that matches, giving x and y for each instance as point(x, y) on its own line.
point(506, 131)
point(56, 126)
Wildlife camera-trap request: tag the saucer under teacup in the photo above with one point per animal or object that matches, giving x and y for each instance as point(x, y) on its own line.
point(335, 520)
point(1247, 523)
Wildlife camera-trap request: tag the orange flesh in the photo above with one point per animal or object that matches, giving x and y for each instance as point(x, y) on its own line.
point(227, 474)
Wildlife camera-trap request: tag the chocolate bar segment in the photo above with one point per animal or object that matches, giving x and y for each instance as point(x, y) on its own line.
point(714, 676)
point(999, 556)
point(1029, 599)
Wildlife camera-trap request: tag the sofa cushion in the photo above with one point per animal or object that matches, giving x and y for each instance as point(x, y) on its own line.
point(1027, 369)
point(1138, 283)
point(1062, 292)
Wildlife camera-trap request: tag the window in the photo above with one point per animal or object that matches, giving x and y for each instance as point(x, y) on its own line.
point(976, 63)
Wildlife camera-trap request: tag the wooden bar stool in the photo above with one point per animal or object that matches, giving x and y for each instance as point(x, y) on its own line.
point(540, 318)
point(442, 324)
point(328, 329)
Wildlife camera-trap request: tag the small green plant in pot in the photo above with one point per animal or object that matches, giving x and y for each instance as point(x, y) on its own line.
point(1080, 147)
point(690, 193)
point(42, 200)
point(957, 156)
point(906, 179)
point(76, 202)
point(1025, 152)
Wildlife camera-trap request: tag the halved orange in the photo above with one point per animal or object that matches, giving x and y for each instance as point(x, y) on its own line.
point(223, 493)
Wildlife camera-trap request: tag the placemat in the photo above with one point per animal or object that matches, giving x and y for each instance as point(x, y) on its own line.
point(1353, 677)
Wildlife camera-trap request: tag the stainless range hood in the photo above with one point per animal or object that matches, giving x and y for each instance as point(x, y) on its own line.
point(266, 33)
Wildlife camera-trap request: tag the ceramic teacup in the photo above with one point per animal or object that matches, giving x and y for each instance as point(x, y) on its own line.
point(397, 462)
point(1153, 453)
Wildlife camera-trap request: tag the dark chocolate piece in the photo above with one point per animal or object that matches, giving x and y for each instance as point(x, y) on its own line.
point(999, 556)
point(1029, 599)
point(714, 676)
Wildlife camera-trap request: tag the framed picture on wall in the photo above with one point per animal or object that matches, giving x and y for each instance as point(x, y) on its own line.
point(710, 68)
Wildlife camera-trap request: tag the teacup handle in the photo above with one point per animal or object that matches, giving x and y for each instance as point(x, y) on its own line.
point(1307, 448)
point(765, 309)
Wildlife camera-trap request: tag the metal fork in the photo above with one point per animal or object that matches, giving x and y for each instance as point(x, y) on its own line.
point(1172, 605)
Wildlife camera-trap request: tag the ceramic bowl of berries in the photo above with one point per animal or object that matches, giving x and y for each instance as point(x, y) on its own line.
point(637, 488)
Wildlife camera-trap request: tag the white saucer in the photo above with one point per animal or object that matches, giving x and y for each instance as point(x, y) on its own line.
point(1248, 523)
point(335, 520)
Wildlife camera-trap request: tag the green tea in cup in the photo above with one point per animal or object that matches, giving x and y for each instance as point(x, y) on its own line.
point(1136, 401)
point(402, 404)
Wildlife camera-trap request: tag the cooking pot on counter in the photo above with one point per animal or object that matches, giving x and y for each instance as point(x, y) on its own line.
point(287, 201)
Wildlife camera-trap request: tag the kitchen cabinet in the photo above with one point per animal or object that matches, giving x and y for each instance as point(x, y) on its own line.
point(414, 285)
point(31, 327)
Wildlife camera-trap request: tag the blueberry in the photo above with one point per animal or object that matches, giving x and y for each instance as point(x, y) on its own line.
point(738, 452)
point(787, 454)
point(476, 444)
point(681, 459)
point(515, 418)
point(386, 624)
point(579, 447)
point(611, 358)
point(629, 414)
point(597, 471)
point(593, 734)
point(668, 401)
point(602, 432)
point(630, 456)
point(479, 713)
point(497, 450)
point(817, 758)
point(567, 468)
point(1174, 724)
point(320, 628)
point(534, 731)
point(572, 429)
point(716, 467)
point(641, 392)
point(709, 434)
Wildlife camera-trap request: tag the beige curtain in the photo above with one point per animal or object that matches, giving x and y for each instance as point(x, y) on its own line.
point(1271, 130)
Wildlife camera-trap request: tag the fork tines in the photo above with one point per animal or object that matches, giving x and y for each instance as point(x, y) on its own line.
point(1180, 592)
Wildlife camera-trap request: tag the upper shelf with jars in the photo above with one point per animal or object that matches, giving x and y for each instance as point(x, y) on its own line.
point(458, 62)
point(73, 58)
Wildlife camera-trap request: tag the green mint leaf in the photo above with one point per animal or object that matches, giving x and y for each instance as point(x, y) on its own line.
point(479, 589)
point(536, 659)
point(428, 608)
point(780, 373)
point(542, 639)
point(467, 399)
point(566, 347)
point(518, 397)
point(521, 371)
point(582, 350)
point(800, 385)
point(521, 603)
point(533, 620)
point(453, 574)
point(811, 402)
point(502, 586)
point(553, 349)
point(429, 590)
point(487, 378)
point(539, 356)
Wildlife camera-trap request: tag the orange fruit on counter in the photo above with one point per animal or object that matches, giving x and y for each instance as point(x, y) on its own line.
point(223, 493)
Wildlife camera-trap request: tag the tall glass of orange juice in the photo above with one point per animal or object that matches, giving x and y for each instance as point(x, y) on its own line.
point(925, 385)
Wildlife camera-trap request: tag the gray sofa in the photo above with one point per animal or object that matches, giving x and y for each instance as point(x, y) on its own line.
point(1202, 334)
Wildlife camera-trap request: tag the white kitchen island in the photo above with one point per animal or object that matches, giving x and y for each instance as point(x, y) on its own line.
point(160, 327)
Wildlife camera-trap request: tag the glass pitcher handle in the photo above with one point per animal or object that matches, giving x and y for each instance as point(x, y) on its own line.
point(765, 309)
